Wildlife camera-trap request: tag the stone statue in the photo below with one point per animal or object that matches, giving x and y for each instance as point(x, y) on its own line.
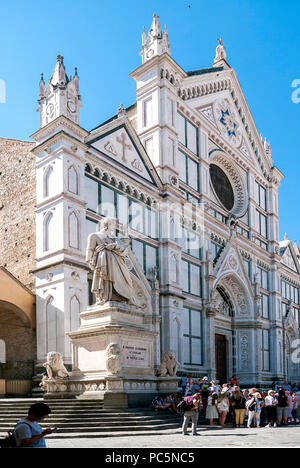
point(220, 52)
point(55, 367)
point(169, 365)
point(113, 359)
point(106, 255)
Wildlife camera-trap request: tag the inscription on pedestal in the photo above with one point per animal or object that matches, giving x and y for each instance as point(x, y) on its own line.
point(135, 353)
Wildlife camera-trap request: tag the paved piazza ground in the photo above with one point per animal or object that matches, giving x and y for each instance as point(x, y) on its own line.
point(285, 437)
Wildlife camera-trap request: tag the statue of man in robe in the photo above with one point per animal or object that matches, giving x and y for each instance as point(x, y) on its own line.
point(106, 255)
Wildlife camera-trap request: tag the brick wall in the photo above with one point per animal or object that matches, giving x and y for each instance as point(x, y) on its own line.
point(17, 209)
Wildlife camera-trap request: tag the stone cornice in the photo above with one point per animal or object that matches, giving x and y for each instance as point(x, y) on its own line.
point(59, 121)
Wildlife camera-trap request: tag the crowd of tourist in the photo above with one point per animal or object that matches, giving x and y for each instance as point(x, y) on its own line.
point(229, 404)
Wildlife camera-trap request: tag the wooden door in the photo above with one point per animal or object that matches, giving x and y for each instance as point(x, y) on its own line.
point(221, 358)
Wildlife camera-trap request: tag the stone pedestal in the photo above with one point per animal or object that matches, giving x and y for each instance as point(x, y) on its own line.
point(132, 382)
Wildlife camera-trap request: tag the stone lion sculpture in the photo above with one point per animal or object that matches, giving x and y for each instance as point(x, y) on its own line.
point(55, 367)
point(169, 365)
point(113, 359)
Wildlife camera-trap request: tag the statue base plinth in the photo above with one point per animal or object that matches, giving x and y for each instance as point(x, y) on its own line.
point(127, 377)
point(113, 391)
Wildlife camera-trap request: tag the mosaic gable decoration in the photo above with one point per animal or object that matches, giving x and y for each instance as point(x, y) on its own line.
point(227, 122)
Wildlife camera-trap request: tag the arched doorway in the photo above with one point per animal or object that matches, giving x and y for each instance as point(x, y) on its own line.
point(233, 309)
point(17, 343)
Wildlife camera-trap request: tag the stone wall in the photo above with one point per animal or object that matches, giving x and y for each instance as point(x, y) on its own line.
point(17, 209)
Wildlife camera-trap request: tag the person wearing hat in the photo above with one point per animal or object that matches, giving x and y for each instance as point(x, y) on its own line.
point(191, 413)
point(254, 406)
point(205, 392)
point(270, 404)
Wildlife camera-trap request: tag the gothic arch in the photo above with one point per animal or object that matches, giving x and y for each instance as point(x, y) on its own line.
point(236, 292)
point(73, 180)
point(48, 188)
point(49, 232)
point(74, 230)
point(74, 313)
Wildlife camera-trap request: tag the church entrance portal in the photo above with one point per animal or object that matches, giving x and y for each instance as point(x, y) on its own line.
point(221, 358)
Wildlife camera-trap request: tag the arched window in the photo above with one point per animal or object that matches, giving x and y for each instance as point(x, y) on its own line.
point(73, 231)
point(73, 180)
point(49, 232)
point(51, 326)
point(2, 352)
point(49, 182)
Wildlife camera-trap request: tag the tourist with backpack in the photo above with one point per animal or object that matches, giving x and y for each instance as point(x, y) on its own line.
point(238, 402)
point(254, 406)
point(28, 432)
point(190, 407)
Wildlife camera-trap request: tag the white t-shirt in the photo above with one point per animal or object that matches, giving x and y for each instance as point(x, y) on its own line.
point(23, 431)
point(270, 401)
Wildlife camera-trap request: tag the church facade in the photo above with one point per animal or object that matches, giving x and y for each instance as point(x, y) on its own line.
point(190, 179)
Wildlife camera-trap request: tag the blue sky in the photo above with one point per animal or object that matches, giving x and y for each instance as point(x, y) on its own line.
point(103, 40)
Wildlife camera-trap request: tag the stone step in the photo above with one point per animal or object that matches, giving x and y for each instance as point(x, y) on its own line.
point(75, 418)
point(68, 424)
point(83, 412)
point(99, 429)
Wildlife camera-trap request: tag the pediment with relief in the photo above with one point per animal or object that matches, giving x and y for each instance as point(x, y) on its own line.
point(119, 146)
point(288, 260)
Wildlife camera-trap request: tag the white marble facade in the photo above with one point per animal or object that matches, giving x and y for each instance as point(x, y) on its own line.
point(191, 180)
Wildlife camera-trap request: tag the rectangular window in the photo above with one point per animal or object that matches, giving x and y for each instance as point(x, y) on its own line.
point(91, 194)
point(170, 112)
point(191, 278)
point(260, 196)
point(265, 306)
point(192, 174)
point(107, 202)
point(146, 255)
point(137, 216)
point(181, 129)
point(192, 337)
point(192, 137)
point(261, 224)
point(264, 279)
point(182, 166)
point(247, 266)
point(266, 350)
point(147, 112)
point(90, 227)
point(123, 209)
point(185, 276)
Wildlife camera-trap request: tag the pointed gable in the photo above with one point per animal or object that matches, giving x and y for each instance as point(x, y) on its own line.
point(119, 141)
point(217, 96)
point(288, 257)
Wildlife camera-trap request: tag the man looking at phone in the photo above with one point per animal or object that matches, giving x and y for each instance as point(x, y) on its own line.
point(28, 433)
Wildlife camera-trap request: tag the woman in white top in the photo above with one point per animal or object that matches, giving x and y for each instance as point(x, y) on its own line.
point(223, 407)
point(270, 404)
point(254, 406)
point(211, 410)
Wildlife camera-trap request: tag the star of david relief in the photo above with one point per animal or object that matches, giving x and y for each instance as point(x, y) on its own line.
point(227, 122)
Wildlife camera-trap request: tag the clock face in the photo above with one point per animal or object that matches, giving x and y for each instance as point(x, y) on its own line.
point(72, 106)
point(50, 110)
point(150, 53)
